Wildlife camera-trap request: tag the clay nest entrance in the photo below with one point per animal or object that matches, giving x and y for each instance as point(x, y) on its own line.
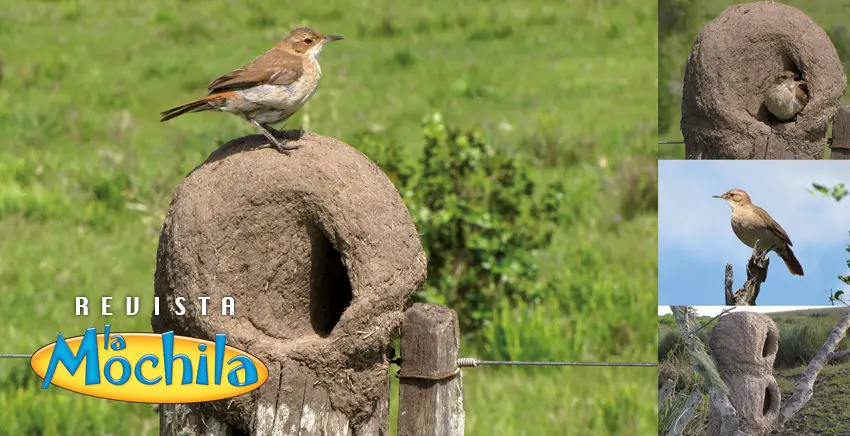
point(744, 340)
point(319, 252)
point(734, 60)
point(330, 287)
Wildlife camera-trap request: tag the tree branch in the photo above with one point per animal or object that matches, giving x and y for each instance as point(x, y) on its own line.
point(839, 354)
point(756, 275)
point(727, 286)
point(805, 386)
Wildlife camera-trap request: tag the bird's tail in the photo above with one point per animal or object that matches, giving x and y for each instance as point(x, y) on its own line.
point(207, 103)
point(790, 260)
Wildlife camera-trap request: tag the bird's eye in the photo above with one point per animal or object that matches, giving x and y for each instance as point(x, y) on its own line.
point(309, 40)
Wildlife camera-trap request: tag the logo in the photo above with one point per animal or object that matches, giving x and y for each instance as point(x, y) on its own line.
point(148, 367)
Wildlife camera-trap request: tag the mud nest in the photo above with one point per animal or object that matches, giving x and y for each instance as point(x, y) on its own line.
point(744, 346)
point(730, 67)
point(319, 252)
point(745, 341)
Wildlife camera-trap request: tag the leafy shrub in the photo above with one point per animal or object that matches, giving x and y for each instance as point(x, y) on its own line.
point(670, 345)
point(480, 217)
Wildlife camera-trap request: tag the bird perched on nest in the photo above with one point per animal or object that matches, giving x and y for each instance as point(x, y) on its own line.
point(752, 223)
point(786, 96)
point(269, 89)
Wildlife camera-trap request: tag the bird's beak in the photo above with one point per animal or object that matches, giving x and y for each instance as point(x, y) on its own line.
point(718, 196)
point(330, 38)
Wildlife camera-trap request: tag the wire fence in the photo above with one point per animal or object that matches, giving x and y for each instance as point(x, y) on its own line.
point(828, 141)
point(470, 362)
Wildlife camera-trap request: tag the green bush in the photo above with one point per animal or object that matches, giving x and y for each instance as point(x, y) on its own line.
point(481, 218)
point(669, 345)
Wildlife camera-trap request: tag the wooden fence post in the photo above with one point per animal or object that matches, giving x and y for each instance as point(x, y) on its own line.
point(430, 387)
point(841, 134)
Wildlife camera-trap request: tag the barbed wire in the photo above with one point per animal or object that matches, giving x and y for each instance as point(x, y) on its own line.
point(722, 312)
point(828, 141)
point(15, 356)
point(471, 362)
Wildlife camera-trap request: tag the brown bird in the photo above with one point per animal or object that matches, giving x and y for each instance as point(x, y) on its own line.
point(751, 223)
point(269, 89)
point(786, 96)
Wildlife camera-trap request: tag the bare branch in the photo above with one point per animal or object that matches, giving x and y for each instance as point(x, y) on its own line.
point(756, 275)
point(839, 354)
point(804, 388)
point(727, 286)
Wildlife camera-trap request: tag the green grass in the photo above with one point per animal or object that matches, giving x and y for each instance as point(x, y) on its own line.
point(829, 14)
point(827, 412)
point(87, 172)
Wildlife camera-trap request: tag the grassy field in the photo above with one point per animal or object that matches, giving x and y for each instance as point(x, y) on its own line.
point(87, 172)
point(801, 334)
point(673, 55)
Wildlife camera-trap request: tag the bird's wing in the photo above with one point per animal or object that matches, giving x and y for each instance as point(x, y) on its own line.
point(264, 70)
point(773, 224)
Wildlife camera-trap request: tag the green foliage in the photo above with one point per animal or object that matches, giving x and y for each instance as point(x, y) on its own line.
point(799, 344)
point(670, 345)
point(667, 320)
point(481, 220)
point(837, 192)
point(843, 277)
point(801, 336)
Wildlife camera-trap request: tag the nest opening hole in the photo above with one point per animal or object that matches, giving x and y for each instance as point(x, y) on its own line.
point(767, 400)
point(771, 344)
point(330, 286)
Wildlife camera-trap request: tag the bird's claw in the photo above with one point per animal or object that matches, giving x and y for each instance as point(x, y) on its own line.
point(284, 148)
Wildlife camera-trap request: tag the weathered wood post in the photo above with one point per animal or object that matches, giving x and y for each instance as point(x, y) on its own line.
point(320, 254)
point(430, 386)
point(841, 134)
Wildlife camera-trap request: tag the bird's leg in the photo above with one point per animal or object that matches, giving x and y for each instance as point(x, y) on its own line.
point(285, 135)
point(269, 133)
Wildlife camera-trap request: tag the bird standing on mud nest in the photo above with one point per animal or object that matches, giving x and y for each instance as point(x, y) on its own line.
point(786, 96)
point(752, 223)
point(269, 89)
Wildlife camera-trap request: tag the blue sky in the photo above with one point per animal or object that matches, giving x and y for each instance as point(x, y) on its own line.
point(695, 239)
